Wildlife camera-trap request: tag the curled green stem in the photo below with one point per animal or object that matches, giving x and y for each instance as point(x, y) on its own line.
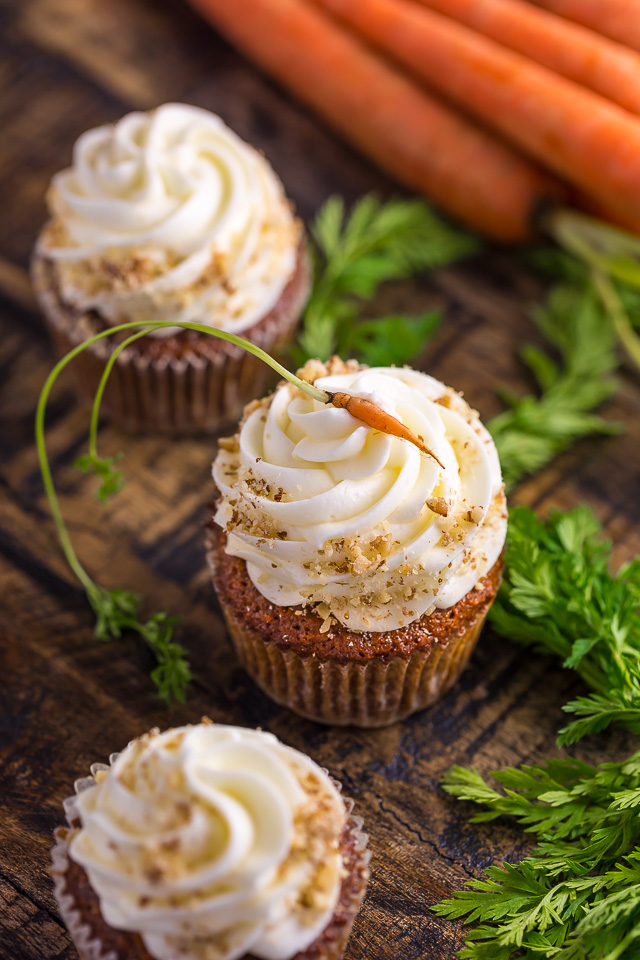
point(117, 609)
point(97, 400)
point(141, 330)
point(47, 479)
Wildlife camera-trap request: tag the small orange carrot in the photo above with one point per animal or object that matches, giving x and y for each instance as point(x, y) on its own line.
point(378, 419)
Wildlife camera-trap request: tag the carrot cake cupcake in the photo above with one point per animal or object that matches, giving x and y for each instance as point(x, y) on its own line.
point(354, 571)
point(209, 842)
point(169, 216)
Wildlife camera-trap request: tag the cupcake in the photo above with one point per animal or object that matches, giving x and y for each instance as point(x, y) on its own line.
point(209, 842)
point(169, 216)
point(354, 571)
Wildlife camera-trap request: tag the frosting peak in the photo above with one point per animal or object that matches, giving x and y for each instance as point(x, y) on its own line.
point(328, 512)
point(212, 842)
point(170, 215)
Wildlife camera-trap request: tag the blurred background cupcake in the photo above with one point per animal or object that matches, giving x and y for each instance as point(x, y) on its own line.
point(206, 842)
point(170, 216)
point(355, 572)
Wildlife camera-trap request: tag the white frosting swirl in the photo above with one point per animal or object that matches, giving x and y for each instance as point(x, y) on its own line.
point(169, 215)
point(211, 842)
point(325, 510)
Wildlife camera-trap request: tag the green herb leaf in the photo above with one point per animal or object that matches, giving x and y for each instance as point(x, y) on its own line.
point(388, 340)
point(577, 895)
point(613, 259)
point(535, 429)
point(353, 255)
point(560, 596)
point(173, 674)
point(597, 711)
point(112, 481)
point(117, 611)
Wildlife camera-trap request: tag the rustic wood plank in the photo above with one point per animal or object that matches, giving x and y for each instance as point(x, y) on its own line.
point(15, 285)
point(67, 700)
point(141, 65)
point(27, 929)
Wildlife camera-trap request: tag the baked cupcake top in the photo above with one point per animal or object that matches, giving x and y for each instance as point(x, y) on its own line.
point(169, 215)
point(211, 841)
point(328, 512)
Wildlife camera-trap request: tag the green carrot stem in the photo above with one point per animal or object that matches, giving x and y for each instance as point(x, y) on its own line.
point(45, 470)
point(97, 401)
point(609, 252)
point(116, 610)
point(141, 329)
point(613, 305)
point(597, 243)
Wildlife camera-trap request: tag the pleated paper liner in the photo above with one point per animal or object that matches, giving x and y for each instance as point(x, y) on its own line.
point(185, 384)
point(96, 940)
point(374, 693)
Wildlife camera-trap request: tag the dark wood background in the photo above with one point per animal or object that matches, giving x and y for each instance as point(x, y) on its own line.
point(65, 699)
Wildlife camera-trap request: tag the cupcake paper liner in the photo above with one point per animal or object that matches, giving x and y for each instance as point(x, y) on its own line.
point(372, 694)
point(87, 944)
point(329, 945)
point(190, 393)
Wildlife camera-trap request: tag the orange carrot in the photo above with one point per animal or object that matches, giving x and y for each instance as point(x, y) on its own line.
point(593, 61)
point(431, 149)
point(618, 19)
point(378, 419)
point(578, 134)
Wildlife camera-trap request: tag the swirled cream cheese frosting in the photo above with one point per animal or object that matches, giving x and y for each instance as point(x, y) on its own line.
point(327, 512)
point(169, 215)
point(211, 842)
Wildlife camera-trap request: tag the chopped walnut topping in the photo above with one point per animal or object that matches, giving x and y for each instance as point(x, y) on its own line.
point(314, 369)
point(230, 444)
point(438, 505)
point(250, 408)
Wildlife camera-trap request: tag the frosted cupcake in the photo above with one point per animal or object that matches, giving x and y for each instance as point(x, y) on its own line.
point(209, 842)
point(170, 216)
point(355, 572)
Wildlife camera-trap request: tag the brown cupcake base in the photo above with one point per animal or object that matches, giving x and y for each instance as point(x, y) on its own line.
point(184, 384)
point(96, 940)
point(342, 677)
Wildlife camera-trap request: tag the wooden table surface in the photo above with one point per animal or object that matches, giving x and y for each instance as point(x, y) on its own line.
point(67, 700)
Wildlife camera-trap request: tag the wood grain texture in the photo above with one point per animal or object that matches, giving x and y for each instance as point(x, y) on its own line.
point(66, 700)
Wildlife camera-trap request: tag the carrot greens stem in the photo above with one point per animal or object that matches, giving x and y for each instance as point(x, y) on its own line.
point(95, 410)
point(117, 610)
point(611, 254)
point(612, 303)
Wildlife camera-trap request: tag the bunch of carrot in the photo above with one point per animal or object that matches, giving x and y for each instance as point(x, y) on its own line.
point(497, 110)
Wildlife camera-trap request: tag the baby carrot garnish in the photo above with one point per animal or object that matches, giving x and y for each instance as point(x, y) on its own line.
point(378, 419)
